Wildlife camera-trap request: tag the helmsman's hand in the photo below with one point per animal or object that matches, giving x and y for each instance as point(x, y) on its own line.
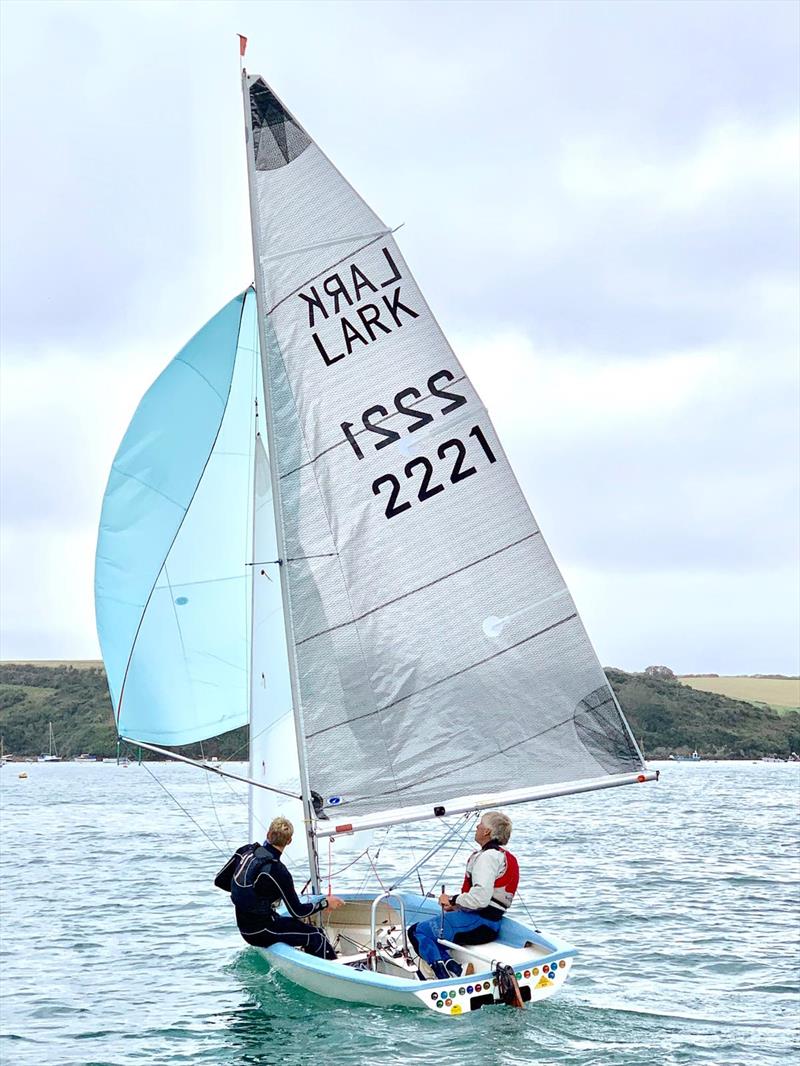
point(334, 902)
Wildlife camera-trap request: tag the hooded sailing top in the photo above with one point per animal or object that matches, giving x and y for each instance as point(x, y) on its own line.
point(490, 882)
point(259, 882)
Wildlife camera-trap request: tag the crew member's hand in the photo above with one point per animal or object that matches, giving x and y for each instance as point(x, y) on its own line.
point(334, 902)
point(444, 901)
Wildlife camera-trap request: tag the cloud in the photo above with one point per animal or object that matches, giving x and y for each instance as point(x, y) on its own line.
point(685, 462)
point(47, 604)
point(607, 234)
point(731, 160)
point(699, 622)
point(63, 418)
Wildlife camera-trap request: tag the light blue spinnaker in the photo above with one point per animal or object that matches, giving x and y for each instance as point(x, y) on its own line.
point(172, 593)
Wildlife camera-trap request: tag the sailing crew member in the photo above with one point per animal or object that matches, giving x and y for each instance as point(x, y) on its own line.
point(259, 882)
point(472, 916)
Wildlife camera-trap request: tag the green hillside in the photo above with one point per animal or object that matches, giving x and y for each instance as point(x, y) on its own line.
point(666, 717)
point(76, 701)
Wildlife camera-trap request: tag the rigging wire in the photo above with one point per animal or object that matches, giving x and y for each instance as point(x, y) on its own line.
point(261, 732)
point(470, 821)
point(213, 804)
point(236, 794)
point(187, 813)
point(448, 835)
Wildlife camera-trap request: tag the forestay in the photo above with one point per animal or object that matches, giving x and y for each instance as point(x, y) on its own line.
point(438, 651)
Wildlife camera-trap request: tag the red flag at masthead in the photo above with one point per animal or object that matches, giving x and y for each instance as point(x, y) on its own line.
point(242, 44)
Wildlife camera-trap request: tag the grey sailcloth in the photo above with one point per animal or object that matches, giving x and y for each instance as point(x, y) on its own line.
point(438, 651)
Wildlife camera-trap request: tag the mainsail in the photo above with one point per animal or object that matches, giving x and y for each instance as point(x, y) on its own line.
point(435, 648)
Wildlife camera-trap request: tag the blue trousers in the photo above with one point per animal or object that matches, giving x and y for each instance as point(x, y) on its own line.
point(424, 935)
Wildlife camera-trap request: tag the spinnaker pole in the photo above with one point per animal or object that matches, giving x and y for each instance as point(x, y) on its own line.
point(209, 767)
point(305, 787)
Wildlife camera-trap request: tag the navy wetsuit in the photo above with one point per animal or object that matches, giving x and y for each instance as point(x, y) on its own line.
point(258, 882)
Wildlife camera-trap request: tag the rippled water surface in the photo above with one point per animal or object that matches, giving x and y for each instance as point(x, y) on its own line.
point(682, 898)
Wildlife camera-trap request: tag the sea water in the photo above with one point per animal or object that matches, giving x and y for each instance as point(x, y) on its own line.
point(681, 896)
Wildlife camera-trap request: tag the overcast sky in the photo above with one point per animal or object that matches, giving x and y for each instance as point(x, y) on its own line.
point(600, 203)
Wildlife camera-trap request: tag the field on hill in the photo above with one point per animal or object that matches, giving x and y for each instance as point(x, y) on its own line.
point(75, 664)
point(782, 693)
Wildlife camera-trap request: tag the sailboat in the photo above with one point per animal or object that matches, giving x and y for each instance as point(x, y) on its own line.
point(311, 527)
point(52, 754)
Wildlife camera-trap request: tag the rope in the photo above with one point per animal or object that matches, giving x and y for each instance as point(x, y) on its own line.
point(375, 871)
point(261, 732)
point(188, 815)
point(377, 855)
point(213, 804)
point(236, 794)
point(352, 862)
point(531, 919)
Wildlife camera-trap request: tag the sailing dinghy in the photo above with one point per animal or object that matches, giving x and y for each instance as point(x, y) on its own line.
point(311, 526)
point(51, 755)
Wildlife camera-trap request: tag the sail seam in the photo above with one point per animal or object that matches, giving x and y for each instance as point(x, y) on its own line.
point(205, 581)
point(482, 758)
point(359, 432)
point(413, 592)
point(325, 270)
point(177, 619)
point(449, 677)
point(183, 519)
point(151, 488)
point(222, 399)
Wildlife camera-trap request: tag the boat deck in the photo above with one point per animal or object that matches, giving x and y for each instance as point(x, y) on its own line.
point(349, 931)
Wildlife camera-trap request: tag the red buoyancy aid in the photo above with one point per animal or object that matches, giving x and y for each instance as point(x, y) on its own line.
point(505, 885)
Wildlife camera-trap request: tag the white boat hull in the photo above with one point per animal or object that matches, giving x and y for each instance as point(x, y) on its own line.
point(541, 966)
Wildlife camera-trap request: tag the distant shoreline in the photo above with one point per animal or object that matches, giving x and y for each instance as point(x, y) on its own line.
point(752, 718)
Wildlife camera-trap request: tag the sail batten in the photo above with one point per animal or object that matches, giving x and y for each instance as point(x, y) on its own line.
point(368, 237)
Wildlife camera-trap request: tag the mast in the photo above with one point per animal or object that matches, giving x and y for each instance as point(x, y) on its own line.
point(305, 788)
point(251, 656)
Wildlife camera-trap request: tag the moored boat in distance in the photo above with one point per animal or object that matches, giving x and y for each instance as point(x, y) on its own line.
point(52, 755)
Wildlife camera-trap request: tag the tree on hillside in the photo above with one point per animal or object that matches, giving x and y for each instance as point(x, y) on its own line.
point(661, 673)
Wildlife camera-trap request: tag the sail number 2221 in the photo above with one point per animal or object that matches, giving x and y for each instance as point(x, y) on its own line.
point(430, 481)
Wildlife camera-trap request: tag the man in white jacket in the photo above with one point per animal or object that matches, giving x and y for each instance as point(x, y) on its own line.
point(473, 915)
